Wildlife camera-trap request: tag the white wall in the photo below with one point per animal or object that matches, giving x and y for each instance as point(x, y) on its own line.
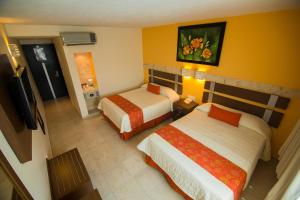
point(33, 173)
point(117, 56)
point(66, 72)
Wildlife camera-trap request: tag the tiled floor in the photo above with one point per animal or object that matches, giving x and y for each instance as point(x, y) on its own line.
point(116, 167)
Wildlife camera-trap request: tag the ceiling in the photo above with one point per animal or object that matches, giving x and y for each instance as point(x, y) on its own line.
point(130, 13)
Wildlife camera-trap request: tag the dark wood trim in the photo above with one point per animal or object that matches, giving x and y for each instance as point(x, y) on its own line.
point(282, 102)
point(252, 95)
point(238, 105)
point(275, 118)
point(40, 121)
point(18, 185)
point(13, 127)
point(164, 75)
point(239, 92)
point(173, 81)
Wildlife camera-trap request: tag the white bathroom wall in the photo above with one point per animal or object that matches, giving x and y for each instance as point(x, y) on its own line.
point(66, 72)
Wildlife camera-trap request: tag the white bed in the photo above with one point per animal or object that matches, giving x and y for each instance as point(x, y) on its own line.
point(242, 145)
point(152, 105)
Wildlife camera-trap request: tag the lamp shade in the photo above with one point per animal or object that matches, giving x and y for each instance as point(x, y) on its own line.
point(200, 75)
point(187, 72)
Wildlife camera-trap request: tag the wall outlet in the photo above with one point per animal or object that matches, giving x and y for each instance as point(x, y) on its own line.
point(191, 97)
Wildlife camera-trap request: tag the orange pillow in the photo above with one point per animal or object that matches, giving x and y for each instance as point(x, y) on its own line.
point(153, 88)
point(225, 115)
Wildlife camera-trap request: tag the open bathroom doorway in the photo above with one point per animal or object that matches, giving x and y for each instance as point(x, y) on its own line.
point(88, 80)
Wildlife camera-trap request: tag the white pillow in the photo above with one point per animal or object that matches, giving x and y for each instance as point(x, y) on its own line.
point(165, 91)
point(170, 93)
point(205, 107)
point(247, 120)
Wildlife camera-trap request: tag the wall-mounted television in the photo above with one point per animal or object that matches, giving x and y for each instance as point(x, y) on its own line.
point(24, 98)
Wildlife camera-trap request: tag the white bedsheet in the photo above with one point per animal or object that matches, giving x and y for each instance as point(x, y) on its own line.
point(152, 105)
point(240, 145)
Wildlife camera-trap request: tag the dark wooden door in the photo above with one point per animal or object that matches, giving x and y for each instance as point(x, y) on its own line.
point(43, 62)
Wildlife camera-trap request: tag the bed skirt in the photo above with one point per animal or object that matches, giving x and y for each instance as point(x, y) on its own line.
point(150, 162)
point(149, 124)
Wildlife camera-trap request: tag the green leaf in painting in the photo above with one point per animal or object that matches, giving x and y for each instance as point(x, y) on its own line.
point(214, 49)
point(197, 55)
point(205, 38)
point(189, 57)
point(180, 55)
point(183, 39)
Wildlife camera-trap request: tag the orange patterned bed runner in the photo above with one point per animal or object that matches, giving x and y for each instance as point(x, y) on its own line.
point(221, 168)
point(134, 112)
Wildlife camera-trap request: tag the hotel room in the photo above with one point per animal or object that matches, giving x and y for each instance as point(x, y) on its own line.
point(150, 100)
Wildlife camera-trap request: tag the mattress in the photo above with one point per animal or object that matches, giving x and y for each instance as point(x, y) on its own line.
point(152, 105)
point(240, 145)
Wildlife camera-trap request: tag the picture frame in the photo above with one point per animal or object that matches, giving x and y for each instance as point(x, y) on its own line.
point(200, 44)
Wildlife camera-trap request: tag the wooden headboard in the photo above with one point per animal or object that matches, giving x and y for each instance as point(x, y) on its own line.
point(269, 107)
point(173, 81)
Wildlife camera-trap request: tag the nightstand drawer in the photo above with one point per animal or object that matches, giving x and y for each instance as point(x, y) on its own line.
point(177, 115)
point(178, 107)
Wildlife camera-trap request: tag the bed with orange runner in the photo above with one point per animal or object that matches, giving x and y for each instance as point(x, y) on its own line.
point(136, 110)
point(205, 158)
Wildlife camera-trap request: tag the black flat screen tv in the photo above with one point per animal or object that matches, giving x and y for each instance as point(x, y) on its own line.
point(24, 98)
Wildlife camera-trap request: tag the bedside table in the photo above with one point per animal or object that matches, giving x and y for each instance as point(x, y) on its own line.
point(180, 108)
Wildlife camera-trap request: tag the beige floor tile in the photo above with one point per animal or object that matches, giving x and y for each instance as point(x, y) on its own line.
point(131, 191)
point(117, 177)
point(163, 191)
point(102, 185)
point(135, 164)
point(149, 178)
point(111, 196)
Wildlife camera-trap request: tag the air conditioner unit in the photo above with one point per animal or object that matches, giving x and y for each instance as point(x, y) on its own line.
point(78, 38)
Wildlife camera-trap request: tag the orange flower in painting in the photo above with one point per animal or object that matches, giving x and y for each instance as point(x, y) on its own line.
point(186, 50)
point(197, 43)
point(206, 53)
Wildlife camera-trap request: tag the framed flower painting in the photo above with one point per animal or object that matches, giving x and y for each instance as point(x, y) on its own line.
point(200, 44)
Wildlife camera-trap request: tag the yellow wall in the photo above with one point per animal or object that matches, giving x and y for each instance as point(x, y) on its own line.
point(258, 47)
